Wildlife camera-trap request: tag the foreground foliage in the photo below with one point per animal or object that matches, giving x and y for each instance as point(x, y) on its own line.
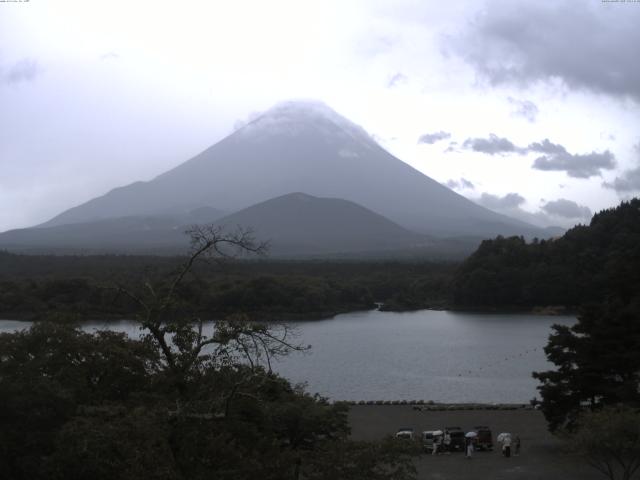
point(609, 440)
point(182, 402)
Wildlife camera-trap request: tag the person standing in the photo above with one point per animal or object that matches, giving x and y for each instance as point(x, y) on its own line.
point(516, 445)
point(506, 446)
point(469, 447)
point(446, 442)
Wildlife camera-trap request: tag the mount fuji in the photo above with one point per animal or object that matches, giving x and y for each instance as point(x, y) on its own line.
point(296, 146)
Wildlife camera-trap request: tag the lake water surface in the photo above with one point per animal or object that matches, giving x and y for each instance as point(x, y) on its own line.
point(429, 355)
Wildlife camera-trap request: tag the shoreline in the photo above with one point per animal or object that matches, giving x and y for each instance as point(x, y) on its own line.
point(264, 316)
point(431, 406)
point(550, 310)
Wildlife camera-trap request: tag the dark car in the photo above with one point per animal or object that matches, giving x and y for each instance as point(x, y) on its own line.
point(484, 440)
point(457, 439)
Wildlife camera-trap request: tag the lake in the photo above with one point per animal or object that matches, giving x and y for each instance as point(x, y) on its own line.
point(424, 355)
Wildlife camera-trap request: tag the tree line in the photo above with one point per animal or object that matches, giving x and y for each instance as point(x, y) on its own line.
point(42, 286)
point(588, 262)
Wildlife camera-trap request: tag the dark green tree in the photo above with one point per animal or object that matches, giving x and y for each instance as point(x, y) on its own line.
point(597, 360)
point(48, 373)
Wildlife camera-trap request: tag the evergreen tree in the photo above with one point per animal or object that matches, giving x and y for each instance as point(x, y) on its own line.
point(597, 360)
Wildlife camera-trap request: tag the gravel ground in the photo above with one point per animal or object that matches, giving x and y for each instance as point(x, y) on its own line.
point(541, 457)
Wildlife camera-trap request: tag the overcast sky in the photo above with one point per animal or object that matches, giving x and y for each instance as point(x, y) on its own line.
point(529, 108)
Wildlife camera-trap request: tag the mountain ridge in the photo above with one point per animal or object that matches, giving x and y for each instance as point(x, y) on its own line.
point(295, 225)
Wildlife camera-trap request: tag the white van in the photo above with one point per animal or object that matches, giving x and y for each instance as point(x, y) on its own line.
point(428, 438)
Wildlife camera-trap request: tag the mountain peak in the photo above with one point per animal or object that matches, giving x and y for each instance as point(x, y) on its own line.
point(293, 117)
point(299, 196)
point(303, 106)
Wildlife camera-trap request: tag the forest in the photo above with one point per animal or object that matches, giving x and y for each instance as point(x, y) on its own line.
point(33, 287)
point(587, 264)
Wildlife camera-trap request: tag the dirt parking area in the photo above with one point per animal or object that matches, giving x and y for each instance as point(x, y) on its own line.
point(541, 457)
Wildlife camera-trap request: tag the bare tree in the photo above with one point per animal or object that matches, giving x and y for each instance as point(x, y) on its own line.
point(186, 348)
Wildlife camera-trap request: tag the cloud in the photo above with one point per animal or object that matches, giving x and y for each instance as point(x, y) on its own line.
point(25, 70)
point(607, 136)
point(628, 182)
point(378, 44)
point(431, 138)
point(555, 157)
point(493, 145)
point(561, 212)
point(524, 108)
point(467, 184)
point(397, 79)
point(577, 166)
point(109, 56)
point(630, 179)
point(452, 147)
point(566, 209)
point(545, 146)
point(586, 45)
point(243, 122)
point(462, 184)
point(511, 205)
point(494, 202)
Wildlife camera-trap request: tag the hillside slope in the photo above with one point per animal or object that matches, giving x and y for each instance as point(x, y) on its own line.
point(300, 223)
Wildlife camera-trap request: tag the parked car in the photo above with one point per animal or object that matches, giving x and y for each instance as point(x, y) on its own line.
point(431, 438)
point(484, 440)
point(457, 439)
point(428, 438)
point(405, 433)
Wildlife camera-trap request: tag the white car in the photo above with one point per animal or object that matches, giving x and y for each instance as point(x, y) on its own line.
point(405, 433)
